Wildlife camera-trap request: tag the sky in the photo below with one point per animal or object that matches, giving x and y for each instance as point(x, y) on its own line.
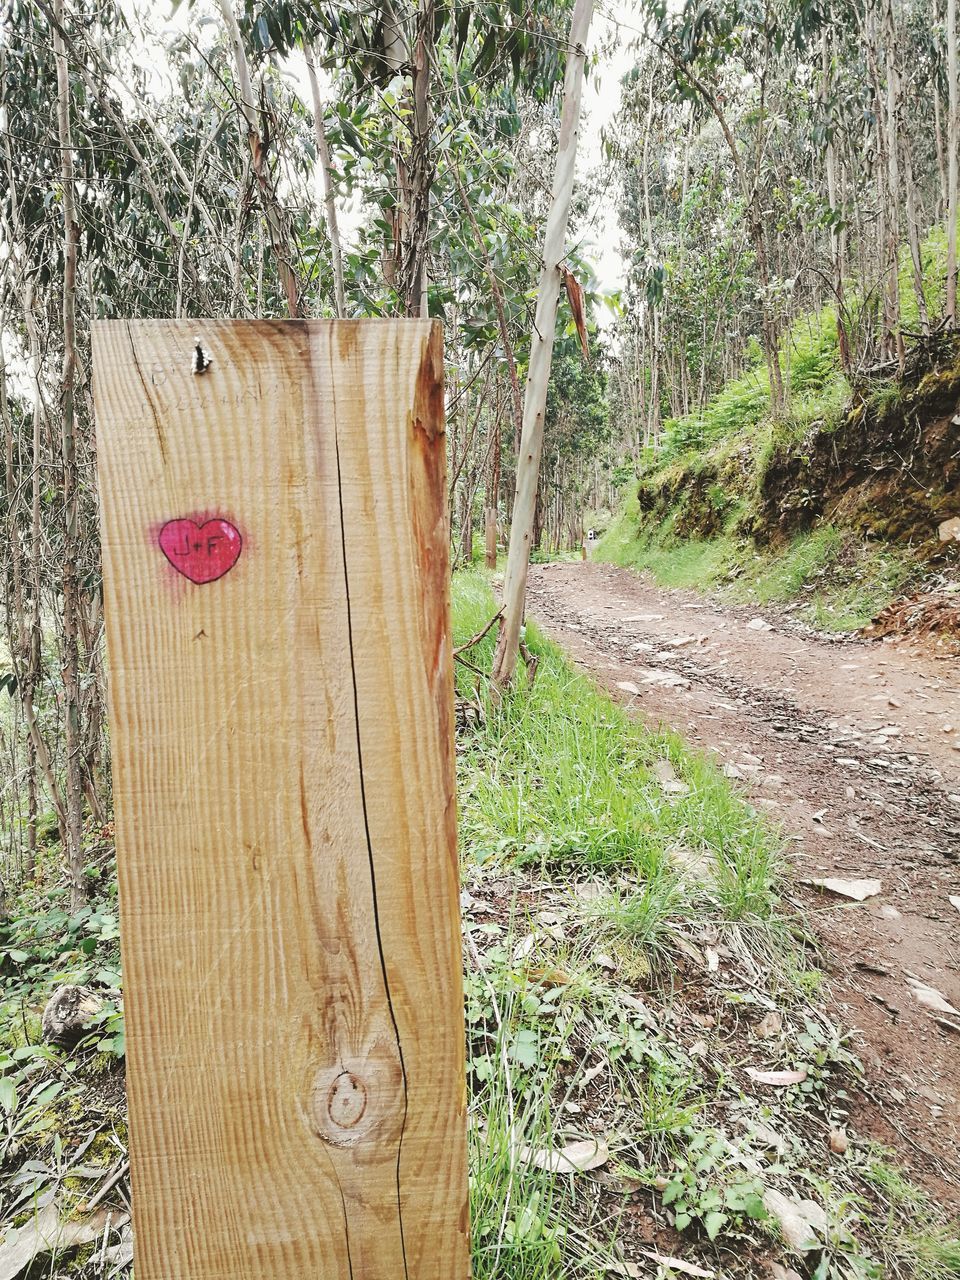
point(601, 103)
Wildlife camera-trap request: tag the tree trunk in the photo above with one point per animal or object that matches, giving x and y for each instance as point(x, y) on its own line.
point(415, 174)
point(541, 354)
point(68, 446)
point(953, 148)
point(515, 401)
point(892, 109)
point(913, 234)
point(837, 254)
point(490, 538)
point(272, 209)
point(329, 201)
point(493, 493)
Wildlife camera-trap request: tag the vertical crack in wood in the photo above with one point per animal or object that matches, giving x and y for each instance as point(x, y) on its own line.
point(366, 829)
point(146, 393)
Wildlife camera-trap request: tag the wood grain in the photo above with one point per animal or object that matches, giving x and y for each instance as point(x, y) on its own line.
point(284, 787)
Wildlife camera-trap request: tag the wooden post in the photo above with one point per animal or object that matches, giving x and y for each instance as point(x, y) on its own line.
point(275, 549)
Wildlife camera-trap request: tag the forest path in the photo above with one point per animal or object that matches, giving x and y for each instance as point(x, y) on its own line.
point(853, 748)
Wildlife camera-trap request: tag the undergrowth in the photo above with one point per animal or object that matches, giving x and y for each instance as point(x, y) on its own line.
point(835, 579)
point(627, 955)
point(564, 778)
point(627, 959)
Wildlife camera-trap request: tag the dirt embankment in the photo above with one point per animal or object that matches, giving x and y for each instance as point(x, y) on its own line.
point(889, 471)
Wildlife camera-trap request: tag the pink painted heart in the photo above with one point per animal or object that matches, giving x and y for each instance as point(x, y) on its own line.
point(201, 552)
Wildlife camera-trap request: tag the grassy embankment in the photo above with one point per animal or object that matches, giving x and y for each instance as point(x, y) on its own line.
point(714, 508)
point(628, 958)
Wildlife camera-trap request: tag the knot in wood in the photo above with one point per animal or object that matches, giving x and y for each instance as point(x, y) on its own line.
point(346, 1101)
point(343, 1107)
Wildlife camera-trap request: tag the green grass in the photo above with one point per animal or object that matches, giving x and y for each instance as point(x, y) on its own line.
point(561, 777)
point(840, 580)
point(673, 562)
point(521, 1222)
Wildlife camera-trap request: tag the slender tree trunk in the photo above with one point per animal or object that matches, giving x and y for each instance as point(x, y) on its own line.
point(836, 241)
point(329, 200)
point(415, 169)
point(498, 303)
point(490, 514)
point(913, 235)
point(493, 492)
point(541, 354)
point(953, 159)
point(68, 445)
point(892, 94)
point(273, 213)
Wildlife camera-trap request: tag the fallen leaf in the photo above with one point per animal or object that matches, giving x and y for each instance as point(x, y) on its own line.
point(621, 1183)
point(759, 624)
point(770, 1139)
point(713, 960)
point(800, 1220)
point(549, 977)
point(676, 1264)
point(121, 1255)
point(771, 1024)
point(779, 1078)
point(931, 997)
point(591, 1073)
point(858, 890)
point(628, 686)
point(575, 1157)
point(604, 961)
point(48, 1233)
point(525, 946)
point(838, 1141)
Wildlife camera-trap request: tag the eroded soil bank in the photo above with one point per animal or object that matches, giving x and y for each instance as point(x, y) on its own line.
point(853, 748)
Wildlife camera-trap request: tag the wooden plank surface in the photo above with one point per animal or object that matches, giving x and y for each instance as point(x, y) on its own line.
point(276, 594)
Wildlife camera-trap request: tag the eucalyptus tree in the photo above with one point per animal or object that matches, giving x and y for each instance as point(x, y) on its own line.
point(779, 161)
point(541, 355)
point(134, 197)
point(191, 154)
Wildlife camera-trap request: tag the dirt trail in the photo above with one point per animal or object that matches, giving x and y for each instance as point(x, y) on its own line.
point(853, 747)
